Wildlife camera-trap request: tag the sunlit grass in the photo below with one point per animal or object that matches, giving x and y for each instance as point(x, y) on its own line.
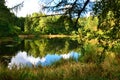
point(64, 70)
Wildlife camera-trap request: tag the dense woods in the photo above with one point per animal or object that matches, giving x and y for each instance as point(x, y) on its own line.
point(10, 25)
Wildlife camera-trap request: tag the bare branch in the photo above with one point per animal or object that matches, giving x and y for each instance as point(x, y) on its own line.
point(80, 11)
point(71, 9)
point(17, 7)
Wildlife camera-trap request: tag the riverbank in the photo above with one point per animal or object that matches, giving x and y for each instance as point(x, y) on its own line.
point(25, 36)
point(63, 71)
point(47, 36)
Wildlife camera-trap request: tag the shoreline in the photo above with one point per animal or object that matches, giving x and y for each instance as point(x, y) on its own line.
point(47, 36)
point(25, 36)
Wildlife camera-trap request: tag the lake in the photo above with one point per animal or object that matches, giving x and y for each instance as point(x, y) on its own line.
point(40, 51)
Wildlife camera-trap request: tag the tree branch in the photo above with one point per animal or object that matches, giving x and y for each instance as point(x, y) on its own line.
point(17, 7)
point(79, 13)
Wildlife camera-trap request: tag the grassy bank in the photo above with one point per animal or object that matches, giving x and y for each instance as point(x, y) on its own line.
point(67, 70)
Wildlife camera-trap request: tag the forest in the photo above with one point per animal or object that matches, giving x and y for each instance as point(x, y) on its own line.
point(97, 36)
point(12, 25)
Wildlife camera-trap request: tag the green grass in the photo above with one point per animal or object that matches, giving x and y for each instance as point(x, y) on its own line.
point(64, 70)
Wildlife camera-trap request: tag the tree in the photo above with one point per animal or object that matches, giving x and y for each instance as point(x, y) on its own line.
point(71, 8)
point(108, 12)
point(108, 32)
point(19, 22)
point(39, 22)
point(6, 24)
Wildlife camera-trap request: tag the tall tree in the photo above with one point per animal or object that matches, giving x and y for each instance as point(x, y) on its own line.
point(8, 21)
point(5, 19)
point(108, 12)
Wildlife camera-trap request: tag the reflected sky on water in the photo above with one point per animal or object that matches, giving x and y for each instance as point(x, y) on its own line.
point(22, 59)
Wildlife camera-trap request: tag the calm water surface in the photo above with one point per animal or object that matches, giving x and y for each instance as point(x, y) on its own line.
point(41, 51)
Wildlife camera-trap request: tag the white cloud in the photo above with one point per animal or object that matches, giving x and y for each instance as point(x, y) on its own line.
point(22, 59)
point(29, 7)
point(11, 3)
point(94, 0)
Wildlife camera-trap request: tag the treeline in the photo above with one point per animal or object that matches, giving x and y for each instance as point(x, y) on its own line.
point(39, 23)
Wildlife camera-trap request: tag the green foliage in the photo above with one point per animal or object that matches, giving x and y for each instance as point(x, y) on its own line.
point(38, 22)
point(108, 14)
point(91, 53)
point(116, 48)
point(19, 22)
point(7, 27)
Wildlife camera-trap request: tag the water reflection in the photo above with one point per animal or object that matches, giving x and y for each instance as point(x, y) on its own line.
point(46, 50)
point(42, 47)
point(9, 48)
point(23, 60)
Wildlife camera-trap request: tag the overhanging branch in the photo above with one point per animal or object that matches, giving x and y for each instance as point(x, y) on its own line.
point(17, 7)
point(80, 11)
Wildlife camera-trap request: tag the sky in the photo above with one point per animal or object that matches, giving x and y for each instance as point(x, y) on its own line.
point(30, 6)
